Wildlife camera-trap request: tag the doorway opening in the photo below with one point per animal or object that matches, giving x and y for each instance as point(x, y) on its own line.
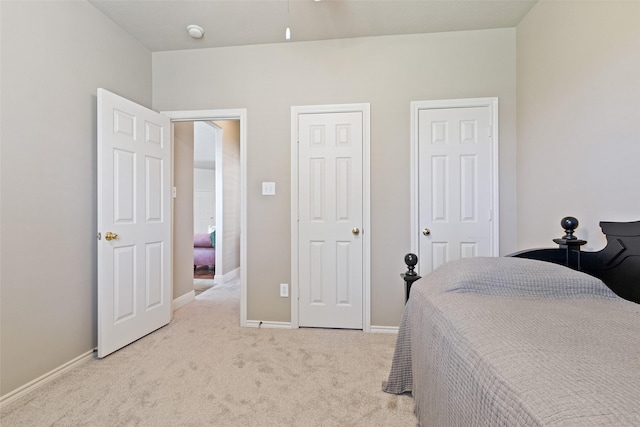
point(224, 216)
point(216, 202)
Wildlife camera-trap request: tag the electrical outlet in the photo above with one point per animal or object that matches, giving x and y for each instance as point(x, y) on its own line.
point(284, 290)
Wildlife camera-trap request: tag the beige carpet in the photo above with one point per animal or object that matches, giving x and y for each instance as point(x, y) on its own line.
point(204, 370)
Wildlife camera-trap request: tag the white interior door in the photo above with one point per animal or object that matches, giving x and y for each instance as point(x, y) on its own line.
point(134, 222)
point(455, 185)
point(330, 226)
point(204, 210)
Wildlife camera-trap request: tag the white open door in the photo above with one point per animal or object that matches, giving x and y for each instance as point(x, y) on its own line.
point(134, 222)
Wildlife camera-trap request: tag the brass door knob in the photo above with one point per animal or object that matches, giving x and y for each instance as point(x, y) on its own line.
point(355, 231)
point(110, 236)
point(426, 231)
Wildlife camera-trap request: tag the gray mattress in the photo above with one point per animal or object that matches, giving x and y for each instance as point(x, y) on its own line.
point(517, 342)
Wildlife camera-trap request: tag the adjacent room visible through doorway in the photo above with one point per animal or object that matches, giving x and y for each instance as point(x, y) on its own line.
point(230, 199)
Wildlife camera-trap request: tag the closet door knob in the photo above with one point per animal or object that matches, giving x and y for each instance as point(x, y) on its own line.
point(110, 236)
point(355, 231)
point(426, 231)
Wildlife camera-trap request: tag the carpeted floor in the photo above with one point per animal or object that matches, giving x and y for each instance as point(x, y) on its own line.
point(204, 370)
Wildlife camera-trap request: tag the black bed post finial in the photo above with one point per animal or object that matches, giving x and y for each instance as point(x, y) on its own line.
point(569, 224)
point(411, 260)
point(410, 276)
point(570, 243)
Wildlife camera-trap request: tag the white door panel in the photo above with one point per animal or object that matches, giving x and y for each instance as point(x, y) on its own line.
point(204, 209)
point(455, 185)
point(330, 207)
point(134, 269)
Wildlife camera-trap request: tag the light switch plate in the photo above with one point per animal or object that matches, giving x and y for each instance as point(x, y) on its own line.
point(284, 290)
point(268, 188)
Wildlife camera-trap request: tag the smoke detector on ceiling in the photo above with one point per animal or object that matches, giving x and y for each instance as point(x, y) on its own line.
point(195, 31)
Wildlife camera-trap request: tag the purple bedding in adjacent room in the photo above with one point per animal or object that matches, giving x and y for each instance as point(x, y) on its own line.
point(204, 253)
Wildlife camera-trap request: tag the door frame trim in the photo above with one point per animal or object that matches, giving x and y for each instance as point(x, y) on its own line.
point(365, 109)
point(416, 106)
point(227, 114)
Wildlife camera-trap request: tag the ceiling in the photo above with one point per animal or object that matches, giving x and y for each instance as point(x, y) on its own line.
point(161, 25)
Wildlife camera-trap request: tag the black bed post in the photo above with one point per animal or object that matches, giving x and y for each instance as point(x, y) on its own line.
point(570, 243)
point(410, 276)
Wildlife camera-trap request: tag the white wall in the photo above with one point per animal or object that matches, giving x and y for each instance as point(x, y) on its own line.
point(388, 73)
point(578, 118)
point(48, 249)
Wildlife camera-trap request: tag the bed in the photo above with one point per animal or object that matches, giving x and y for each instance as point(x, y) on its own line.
point(526, 340)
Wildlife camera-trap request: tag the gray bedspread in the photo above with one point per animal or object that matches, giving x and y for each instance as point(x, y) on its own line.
point(517, 342)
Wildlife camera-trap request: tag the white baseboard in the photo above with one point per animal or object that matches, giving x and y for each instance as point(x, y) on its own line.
point(224, 278)
point(31, 386)
point(183, 300)
point(287, 325)
point(384, 329)
point(268, 325)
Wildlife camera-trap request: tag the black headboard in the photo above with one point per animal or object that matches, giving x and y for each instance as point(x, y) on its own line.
point(617, 265)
